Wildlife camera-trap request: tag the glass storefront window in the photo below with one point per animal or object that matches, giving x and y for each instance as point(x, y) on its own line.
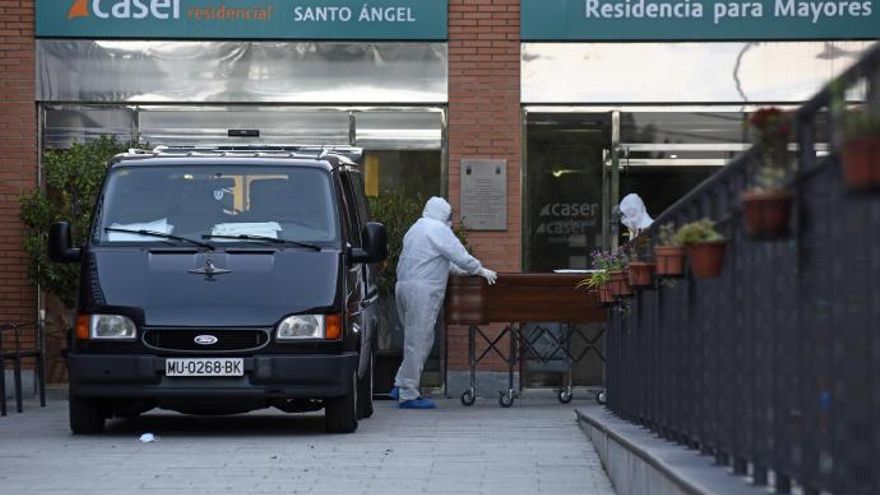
point(418, 173)
point(681, 72)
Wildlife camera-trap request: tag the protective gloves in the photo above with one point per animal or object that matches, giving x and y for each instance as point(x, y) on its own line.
point(489, 275)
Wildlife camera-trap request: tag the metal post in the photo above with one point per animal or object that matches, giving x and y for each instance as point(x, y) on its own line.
point(760, 475)
point(17, 367)
point(472, 359)
point(783, 484)
point(41, 356)
point(2, 375)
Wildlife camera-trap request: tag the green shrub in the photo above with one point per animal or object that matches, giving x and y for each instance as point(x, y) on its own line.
point(666, 235)
point(73, 180)
point(697, 232)
point(398, 210)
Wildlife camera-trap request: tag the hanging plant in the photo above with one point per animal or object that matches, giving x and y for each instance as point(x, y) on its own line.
point(767, 205)
point(668, 254)
point(705, 247)
point(860, 153)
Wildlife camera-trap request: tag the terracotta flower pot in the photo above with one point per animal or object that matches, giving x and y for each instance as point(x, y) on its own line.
point(707, 258)
point(641, 273)
point(670, 260)
point(620, 284)
point(861, 162)
point(767, 213)
point(605, 294)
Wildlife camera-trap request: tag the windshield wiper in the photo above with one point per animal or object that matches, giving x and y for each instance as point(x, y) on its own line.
point(161, 235)
point(262, 238)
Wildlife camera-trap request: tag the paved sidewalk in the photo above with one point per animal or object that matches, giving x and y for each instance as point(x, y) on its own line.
point(534, 447)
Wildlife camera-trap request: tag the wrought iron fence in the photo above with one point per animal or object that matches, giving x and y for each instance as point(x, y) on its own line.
point(773, 368)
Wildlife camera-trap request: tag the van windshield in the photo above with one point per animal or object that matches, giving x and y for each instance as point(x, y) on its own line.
point(223, 203)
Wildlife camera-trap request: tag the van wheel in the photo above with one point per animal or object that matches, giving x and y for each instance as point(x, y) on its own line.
point(86, 415)
point(341, 413)
point(365, 390)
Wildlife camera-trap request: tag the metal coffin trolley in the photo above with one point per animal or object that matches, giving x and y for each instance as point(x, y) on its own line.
point(518, 298)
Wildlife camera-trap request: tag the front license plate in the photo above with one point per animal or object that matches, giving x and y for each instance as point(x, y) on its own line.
point(204, 367)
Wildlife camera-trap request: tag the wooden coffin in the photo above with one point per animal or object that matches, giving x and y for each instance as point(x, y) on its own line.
point(521, 297)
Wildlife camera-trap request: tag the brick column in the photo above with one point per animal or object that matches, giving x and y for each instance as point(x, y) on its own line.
point(484, 122)
point(18, 153)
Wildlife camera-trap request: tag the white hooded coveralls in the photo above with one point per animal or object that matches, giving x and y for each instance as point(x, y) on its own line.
point(430, 251)
point(634, 215)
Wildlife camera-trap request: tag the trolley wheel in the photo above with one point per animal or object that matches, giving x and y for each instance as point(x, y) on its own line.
point(468, 397)
point(565, 396)
point(505, 399)
point(600, 397)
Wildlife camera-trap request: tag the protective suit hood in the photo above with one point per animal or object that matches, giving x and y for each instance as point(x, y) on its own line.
point(437, 209)
point(634, 215)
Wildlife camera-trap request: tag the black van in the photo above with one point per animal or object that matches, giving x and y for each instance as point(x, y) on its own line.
point(223, 280)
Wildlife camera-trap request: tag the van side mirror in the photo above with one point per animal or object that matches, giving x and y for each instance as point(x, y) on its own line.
point(60, 249)
point(375, 245)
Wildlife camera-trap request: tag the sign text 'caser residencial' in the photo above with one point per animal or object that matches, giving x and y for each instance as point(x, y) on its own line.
point(244, 19)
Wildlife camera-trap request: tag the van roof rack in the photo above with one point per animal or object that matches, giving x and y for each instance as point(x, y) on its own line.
point(354, 154)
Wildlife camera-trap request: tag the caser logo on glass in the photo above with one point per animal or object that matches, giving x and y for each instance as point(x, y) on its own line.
point(125, 9)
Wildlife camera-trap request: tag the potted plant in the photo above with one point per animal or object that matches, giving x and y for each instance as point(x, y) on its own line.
point(668, 254)
point(615, 263)
point(608, 276)
point(599, 281)
point(640, 272)
point(767, 206)
point(705, 247)
point(860, 153)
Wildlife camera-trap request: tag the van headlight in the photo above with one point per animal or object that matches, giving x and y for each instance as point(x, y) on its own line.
point(115, 327)
point(305, 327)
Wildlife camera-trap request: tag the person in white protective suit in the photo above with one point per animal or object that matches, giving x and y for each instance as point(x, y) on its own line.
point(430, 252)
point(634, 215)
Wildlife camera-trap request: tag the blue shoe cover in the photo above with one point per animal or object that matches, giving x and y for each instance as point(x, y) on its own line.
point(394, 393)
point(420, 403)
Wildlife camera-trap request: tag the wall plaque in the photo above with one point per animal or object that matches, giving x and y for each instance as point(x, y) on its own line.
point(484, 194)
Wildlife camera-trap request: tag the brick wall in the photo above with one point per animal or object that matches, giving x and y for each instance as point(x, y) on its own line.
point(18, 154)
point(484, 122)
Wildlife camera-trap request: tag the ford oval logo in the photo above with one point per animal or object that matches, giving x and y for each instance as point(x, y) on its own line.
point(205, 340)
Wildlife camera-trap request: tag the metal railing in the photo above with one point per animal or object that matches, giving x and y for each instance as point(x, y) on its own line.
point(773, 368)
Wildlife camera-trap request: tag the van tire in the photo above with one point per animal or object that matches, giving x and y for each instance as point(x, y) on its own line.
point(86, 415)
point(365, 390)
point(341, 413)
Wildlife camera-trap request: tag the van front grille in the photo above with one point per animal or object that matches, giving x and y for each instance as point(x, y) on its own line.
point(186, 340)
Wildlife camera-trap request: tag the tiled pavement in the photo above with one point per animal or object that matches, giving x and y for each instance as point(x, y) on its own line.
point(533, 447)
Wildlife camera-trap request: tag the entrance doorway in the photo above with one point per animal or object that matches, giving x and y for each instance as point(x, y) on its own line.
point(579, 163)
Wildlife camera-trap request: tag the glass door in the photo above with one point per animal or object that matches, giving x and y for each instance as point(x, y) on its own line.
point(568, 189)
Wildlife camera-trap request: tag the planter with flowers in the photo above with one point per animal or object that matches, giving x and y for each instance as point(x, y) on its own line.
point(599, 281)
point(668, 254)
point(767, 206)
point(860, 153)
point(705, 247)
point(608, 277)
